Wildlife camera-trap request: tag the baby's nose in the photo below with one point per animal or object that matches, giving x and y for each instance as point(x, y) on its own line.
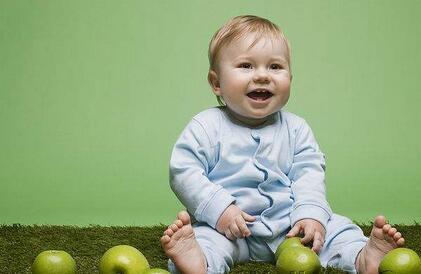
point(261, 75)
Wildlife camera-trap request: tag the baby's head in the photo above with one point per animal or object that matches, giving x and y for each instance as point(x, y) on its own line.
point(249, 68)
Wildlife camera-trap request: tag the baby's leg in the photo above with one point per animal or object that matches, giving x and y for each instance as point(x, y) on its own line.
point(383, 238)
point(347, 248)
point(219, 253)
point(343, 241)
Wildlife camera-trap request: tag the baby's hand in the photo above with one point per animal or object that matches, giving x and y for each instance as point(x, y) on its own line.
point(232, 223)
point(312, 229)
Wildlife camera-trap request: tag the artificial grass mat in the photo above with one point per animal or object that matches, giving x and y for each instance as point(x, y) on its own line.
point(19, 245)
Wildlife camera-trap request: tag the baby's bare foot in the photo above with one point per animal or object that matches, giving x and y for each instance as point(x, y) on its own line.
point(383, 238)
point(180, 245)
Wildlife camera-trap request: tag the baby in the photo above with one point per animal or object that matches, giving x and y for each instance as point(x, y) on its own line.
point(250, 173)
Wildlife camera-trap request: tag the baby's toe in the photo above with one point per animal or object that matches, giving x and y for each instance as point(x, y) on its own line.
point(392, 231)
point(169, 232)
point(386, 228)
point(165, 239)
point(174, 227)
point(397, 236)
point(380, 221)
point(178, 223)
point(184, 217)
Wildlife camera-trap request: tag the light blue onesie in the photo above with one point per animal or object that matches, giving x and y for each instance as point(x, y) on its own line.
point(275, 172)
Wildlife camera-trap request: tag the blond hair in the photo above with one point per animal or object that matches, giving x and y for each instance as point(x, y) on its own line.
point(237, 28)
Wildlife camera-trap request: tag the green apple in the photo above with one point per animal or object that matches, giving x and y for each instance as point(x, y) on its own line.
point(400, 261)
point(288, 242)
point(123, 259)
point(299, 260)
point(156, 271)
point(54, 262)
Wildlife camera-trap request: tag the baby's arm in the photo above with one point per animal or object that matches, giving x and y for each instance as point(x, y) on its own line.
point(192, 158)
point(311, 211)
point(232, 223)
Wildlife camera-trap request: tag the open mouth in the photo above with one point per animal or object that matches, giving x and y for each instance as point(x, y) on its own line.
point(260, 94)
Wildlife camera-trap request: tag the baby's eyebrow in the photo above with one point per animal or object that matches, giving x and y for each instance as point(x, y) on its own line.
point(243, 57)
point(272, 59)
point(281, 60)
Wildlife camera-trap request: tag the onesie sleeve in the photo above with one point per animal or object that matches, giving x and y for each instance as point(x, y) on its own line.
point(192, 157)
point(307, 175)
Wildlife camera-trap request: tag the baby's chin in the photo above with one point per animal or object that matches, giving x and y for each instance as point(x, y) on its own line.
point(252, 119)
point(259, 115)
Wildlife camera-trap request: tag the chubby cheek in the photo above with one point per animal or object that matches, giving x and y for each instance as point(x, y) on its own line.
point(284, 83)
point(234, 78)
point(285, 98)
point(284, 91)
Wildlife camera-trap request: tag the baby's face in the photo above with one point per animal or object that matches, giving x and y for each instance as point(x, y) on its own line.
point(255, 82)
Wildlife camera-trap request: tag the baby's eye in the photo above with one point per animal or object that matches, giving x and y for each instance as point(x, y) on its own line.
point(245, 65)
point(276, 66)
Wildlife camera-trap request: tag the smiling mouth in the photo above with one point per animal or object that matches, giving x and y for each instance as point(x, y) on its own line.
point(260, 95)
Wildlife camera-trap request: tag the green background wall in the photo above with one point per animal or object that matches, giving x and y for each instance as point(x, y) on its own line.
point(93, 95)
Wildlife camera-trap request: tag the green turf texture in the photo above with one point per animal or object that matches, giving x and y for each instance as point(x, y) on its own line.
point(19, 245)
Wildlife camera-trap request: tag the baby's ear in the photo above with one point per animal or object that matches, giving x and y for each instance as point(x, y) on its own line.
point(214, 82)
